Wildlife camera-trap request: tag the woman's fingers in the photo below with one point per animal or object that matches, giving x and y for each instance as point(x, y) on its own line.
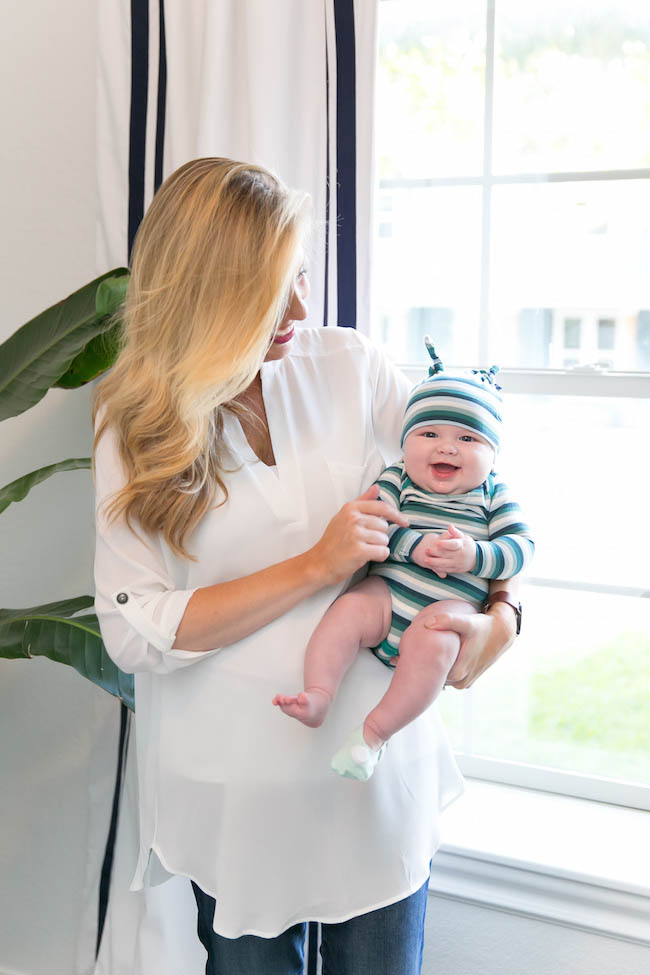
point(374, 523)
point(450, 621)
point(377, 553)
point(370, 537)
point(370, 493)
point(480, 644)
point(381, 509)
point(461, 674)
point(357, 534)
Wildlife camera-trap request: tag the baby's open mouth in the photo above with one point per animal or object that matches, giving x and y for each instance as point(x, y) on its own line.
point(444, 468)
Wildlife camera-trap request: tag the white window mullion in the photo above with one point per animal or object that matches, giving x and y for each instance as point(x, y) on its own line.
point(484, 301)
point(581, 381)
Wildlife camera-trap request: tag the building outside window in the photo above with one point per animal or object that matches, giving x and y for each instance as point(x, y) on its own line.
point(572, 333)
point(512, 145)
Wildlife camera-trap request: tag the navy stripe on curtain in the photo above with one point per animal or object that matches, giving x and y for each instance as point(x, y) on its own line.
point(162, 97)
point(138, 120)
point(346, 162)
point(137, 145)
point(107, 863)
point(327, 189)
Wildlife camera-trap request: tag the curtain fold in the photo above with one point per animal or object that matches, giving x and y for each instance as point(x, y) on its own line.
point(288, 84)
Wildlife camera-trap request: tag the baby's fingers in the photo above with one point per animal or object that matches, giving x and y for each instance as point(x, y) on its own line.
point(450, 544)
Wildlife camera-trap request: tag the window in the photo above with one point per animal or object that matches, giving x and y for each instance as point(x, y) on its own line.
point(572, 333)
point(606, 332)
point(512, 148)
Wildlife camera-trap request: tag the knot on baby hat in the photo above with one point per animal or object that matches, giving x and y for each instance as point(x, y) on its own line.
point(471, 400)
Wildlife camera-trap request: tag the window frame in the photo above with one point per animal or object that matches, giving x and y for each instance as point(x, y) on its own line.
point(582, 380)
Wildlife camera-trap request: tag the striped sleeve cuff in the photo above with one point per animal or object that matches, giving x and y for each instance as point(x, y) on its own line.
point(402, 542)
point(504, 558)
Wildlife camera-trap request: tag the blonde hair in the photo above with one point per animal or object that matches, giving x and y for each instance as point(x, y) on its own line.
point(213, 269)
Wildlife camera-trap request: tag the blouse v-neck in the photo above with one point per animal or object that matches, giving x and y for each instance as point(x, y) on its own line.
point(241, 442)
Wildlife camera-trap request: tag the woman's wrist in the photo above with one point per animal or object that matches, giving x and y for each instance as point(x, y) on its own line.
point(504, 627)
point(314, 569)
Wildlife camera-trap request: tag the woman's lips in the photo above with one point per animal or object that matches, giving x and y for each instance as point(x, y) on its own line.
point(283, 337)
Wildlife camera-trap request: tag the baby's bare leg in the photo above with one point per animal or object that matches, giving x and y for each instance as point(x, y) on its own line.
point(359, 618)
point(425, 659)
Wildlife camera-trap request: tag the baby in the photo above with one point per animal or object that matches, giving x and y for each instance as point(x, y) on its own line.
point(464, 530)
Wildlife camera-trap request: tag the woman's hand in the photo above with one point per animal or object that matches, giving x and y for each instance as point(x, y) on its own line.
point(357, 534)
point(222, 614)
point(483, 638)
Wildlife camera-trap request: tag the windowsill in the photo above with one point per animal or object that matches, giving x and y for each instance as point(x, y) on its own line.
point(555, 858)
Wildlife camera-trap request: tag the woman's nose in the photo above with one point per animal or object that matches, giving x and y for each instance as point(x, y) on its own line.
point(298, 307)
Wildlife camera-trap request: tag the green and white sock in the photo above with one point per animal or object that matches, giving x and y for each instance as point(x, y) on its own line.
point(356, 759)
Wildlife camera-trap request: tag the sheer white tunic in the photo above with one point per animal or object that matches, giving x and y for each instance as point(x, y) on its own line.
point(233, 793)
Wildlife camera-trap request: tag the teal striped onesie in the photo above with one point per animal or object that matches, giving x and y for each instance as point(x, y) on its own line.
point(488, 514)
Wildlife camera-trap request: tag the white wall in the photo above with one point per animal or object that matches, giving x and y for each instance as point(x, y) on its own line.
point(54, 726)
point(465, 939)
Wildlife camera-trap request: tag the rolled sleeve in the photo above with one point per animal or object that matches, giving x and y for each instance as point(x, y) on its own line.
point(139, 604)
point(139, 630)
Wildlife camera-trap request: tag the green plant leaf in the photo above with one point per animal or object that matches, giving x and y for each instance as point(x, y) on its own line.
point(112, 292)
point(98, 356)
point(101, 352)
point(20, 488)
point(54, 631)
point(36, 356)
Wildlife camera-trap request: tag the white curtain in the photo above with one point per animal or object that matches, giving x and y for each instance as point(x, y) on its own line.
point(254, 80)
point(285, 83)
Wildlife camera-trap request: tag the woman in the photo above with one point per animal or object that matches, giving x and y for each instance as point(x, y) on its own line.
point(229, 445)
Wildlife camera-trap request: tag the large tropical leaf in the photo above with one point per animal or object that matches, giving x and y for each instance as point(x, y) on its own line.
point(55, 632)
point(20, 488)
point(36, 356)
point(100, 353)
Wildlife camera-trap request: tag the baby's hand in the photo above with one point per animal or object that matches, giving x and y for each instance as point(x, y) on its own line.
point(451, 551)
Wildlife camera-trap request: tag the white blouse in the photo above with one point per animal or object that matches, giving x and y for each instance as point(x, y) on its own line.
point(233, 793)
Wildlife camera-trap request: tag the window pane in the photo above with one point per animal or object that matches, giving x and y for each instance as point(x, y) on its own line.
point(571, 251)
point(572, 86)
point(571, 694)
point(430, 89)
point(573, 461)
point(606, 333)
point(427, 273)
point(572, 333)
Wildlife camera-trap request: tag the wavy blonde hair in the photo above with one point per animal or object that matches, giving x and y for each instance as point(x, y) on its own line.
point(212, 274)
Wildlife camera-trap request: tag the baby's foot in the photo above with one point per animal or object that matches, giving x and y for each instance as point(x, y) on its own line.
point(356, 759)
point(309, 706)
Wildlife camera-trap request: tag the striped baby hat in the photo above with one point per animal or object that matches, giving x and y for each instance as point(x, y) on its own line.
point(471, 400)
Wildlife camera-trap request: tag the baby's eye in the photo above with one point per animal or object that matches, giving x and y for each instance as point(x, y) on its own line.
point(429, 433)
point(467, 438)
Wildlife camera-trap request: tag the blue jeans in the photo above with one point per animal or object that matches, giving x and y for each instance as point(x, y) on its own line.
point(387, 941)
